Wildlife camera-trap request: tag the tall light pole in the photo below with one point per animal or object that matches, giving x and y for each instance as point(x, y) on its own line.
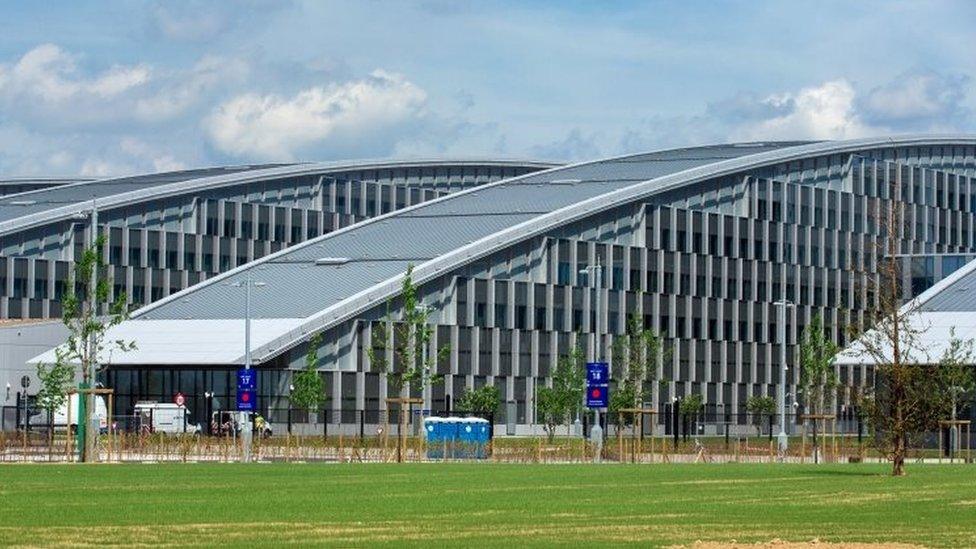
point(782, 438)
point(596, 433)
point(244, 418)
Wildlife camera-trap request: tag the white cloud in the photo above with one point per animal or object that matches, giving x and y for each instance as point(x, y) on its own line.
point(575, 146)
point(919, 99)
point(826, 111)
point(915, 101)
point(205, 21)
point(47, 75)
point(370, 114)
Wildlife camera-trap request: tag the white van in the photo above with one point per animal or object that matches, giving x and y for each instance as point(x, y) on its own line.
point(164, 417)
point(59, 420)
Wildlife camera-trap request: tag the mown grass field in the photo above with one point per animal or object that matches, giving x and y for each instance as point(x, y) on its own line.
point(483, 505)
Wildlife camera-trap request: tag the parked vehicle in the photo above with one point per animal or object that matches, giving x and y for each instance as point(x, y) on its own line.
point(164, 417)
point(59, 419)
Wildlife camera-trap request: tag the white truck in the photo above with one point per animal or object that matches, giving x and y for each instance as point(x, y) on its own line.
point(59, 420)
point(164, 417)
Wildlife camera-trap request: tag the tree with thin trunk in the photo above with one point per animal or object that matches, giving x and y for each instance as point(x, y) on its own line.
point(956, 375)
point(899, 405)
point(87, 331)
point(308, 387)
point(564, 400)
point(410, 333)
point(636, 355)
point(818, 377)
point(760, 406)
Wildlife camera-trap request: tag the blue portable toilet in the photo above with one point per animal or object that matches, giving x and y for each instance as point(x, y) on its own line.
point(473, 437)
point(441, 436)
point(449, 430)
point(434, 431)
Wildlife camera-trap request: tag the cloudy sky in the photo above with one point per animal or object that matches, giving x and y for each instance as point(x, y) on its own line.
point(101, 88)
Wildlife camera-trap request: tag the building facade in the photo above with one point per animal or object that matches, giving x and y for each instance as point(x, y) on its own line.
point(699, 243)
point(166, 232)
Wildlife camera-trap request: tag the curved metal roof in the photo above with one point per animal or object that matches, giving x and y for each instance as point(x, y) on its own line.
point(301, 297)
point(34, 208)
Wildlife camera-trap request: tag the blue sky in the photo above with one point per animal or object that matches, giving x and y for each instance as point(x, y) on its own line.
point(102, 88)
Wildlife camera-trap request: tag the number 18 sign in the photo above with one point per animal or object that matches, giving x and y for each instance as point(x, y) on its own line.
point(597, 385)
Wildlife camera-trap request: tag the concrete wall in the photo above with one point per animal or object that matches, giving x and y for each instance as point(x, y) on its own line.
point(20, 342)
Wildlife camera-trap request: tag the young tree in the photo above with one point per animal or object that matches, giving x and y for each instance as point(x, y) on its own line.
point(561, 402)
point(87, 331)
point(411, 334)
point(482, 401)
point(817, 376)
point(636, 354)
point(550, 409)
point(691, 405)
point(569, 380)
point(56, 379)
point(308, 390)
point(956, 376)
point(899, 406)
point(760, 406)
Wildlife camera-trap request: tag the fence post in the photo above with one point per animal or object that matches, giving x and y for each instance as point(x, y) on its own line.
point(362, 424)
point(674, 423)
point(771, 427)
point(325, 425)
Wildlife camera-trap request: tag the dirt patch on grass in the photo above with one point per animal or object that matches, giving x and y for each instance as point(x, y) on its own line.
point(813, 544)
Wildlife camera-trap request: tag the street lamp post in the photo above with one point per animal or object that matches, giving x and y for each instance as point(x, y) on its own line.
point(244, 418)
point(596, 433)
point(782, 438)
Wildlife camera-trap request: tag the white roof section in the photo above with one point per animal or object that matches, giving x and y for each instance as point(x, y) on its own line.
point(213, 342)
point(442, 234)
point(948, 305)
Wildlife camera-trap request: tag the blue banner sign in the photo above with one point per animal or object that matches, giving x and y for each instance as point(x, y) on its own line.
point(247, 384)
point(597, 385)
point(247, 379)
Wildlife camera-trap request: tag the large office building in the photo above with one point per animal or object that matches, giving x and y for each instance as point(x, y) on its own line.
point(698, 242)
point(168, 231)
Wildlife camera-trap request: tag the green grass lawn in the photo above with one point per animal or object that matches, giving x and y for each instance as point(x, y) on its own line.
point(482, 505)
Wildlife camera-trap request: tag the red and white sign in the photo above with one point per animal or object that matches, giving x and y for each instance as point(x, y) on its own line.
point(179, 399)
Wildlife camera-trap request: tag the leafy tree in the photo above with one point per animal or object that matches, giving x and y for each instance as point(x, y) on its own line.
point(956, 375)
point(549, 406)
point(308, 387)
point(482, 401)
point(817, 375)
point(87, 330)
point(760, 406)
point(411, 334)
point(561, 402)
point(56, 379)
point(636, 354)
point(691, 405)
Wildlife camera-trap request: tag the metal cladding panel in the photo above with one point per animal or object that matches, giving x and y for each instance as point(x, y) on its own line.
point(507, 199)
point(45, 199)
point(403, 237)
point(380, 249)
point(960, 296)
point(281, 290)
point(643, 167)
